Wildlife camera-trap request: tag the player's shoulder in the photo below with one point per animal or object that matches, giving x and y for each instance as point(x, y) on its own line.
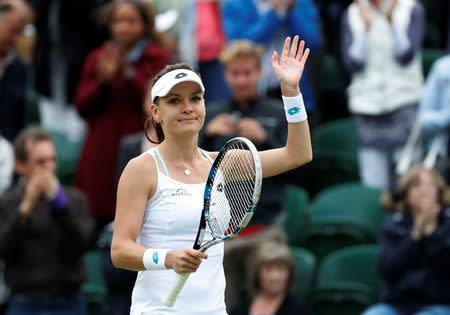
point(141, 167)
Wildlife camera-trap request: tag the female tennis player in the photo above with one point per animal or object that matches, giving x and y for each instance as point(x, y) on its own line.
point(160, 193)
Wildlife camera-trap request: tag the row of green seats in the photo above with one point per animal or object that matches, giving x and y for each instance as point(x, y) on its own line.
point(345, 282)
point(340, 216)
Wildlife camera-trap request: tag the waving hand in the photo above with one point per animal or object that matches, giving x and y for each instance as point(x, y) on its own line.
point(289, 68)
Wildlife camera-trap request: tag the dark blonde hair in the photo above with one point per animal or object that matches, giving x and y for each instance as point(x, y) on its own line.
point(30, 134)
point(397, 200)
point(241, 49)
point(146, 12)
point(21, 6)
point(266, 253)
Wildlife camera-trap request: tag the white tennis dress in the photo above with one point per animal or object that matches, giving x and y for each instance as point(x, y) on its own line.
point(171, 220)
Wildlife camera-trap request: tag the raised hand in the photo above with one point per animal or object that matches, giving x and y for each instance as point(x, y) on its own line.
point(109, 62)
point(389, 9)
point(366, 12)
point(289, 68)
point(33, 191)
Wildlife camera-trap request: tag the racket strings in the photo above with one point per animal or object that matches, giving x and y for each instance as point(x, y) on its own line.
point(232, 193)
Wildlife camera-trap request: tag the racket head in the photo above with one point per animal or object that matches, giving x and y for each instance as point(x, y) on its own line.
point(233, 189)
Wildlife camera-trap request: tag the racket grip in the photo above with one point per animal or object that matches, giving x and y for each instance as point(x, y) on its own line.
point(176, 288)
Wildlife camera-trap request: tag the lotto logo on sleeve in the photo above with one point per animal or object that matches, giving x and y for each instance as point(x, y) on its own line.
point(155, 258)
point(293, 110)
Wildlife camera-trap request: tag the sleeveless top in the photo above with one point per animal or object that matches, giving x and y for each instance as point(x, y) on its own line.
point(171, 220)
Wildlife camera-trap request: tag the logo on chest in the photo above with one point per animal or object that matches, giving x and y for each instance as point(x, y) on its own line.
point(180, 192)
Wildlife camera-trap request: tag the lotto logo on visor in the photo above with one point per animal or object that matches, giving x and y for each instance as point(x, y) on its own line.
point(180, 75)
point(163, 86)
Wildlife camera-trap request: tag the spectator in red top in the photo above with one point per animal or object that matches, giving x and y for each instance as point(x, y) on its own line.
point(110, 94)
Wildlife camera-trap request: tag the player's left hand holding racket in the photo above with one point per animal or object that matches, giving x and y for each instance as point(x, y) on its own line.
point(231, 194)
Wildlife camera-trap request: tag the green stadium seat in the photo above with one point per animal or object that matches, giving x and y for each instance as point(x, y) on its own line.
point(347, 281)
point(305, 271)
point(68, 152)
point(296, 219)
point(32, 114)
point(331, 78)
point(335, 155)
point(94, 288)
point(429, 56)
point(344, 215)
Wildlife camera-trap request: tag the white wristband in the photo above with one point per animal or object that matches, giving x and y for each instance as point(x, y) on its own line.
point(154, 259)
point(294, 109)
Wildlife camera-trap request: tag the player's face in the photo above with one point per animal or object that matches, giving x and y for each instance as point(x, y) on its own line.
point(127, 26)
point(11, 29)
point(182, 110)
point(274, 278)
point(242, 75)
point(41, 158)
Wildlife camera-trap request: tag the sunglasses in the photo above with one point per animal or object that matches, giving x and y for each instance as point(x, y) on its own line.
point(5, 7)
point(43, 161)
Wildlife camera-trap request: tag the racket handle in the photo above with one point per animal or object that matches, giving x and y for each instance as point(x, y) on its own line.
point(176, 288)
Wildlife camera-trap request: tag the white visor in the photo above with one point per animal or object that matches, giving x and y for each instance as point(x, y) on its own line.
point(163, 86)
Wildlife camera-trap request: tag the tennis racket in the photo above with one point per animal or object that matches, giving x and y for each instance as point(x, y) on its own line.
point(231, 193)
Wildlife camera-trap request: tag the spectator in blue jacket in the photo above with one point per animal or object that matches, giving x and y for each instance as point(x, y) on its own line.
point(267, 23)
point(434, 110)
point(415, 249)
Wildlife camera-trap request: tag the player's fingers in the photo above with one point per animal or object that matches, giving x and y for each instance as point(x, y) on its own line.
point(275, 60)
point(186, 267)
point(287, 44)
point(199, 254)
point(305, 56)
point(294, 47)
point(300, 50)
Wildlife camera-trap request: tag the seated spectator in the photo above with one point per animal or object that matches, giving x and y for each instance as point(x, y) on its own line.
point(6, 164)
point(271, 277)
point(251, 115)
point(381, 42)
point(235, 260)
point(13, 71)
point(414, 248)
point(110, 95)
point(44, 232)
